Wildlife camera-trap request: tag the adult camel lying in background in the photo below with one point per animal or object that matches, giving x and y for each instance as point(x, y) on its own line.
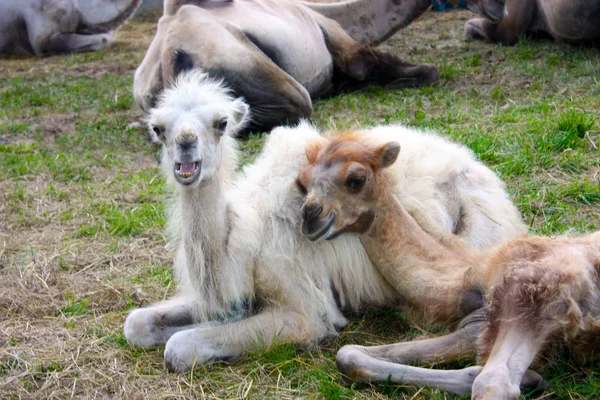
point(278, 54)
point(570, 21)
point(45, 27)
point(537, 288)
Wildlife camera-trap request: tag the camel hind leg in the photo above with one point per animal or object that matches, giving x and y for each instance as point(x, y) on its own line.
point(357, 65)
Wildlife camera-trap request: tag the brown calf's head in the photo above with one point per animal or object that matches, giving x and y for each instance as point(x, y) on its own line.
point(342, 182)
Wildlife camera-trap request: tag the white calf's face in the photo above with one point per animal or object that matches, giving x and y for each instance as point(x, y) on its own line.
point(191, 137)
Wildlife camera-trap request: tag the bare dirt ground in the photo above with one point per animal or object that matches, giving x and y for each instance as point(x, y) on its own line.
point(82, 214)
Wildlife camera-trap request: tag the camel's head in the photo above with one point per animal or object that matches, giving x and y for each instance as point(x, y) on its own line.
point(194, 121)
point(342, 181)
point(493, 10)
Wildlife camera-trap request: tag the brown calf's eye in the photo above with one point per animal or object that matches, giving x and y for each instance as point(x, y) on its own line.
point(355, 184)
point(301, 187)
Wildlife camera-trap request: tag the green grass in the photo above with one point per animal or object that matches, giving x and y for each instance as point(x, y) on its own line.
point(82, 210)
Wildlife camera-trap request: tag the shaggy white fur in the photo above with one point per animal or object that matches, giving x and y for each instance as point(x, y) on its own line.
point(243, 264)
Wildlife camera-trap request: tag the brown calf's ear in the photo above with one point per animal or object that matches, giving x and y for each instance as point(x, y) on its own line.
point(388, 154)
point(313, 149)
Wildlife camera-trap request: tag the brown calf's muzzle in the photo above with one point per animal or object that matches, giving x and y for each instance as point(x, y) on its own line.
point(314, 227)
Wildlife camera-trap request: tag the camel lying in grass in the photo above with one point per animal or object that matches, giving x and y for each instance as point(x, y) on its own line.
point(245, 270)
point(570, 21)
point(537, 288)
point(278, 54)
point(45, 27)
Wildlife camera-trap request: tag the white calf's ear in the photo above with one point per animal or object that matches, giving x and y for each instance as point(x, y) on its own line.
point(388, 154)
point(240, 115)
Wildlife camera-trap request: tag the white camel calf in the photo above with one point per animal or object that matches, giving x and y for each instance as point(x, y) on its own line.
point(245, 270)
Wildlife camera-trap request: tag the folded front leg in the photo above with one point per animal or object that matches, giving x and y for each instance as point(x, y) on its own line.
point(229, 341)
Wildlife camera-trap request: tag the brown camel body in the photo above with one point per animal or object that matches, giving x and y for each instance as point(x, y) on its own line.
point(570, 21)
point(536, 288)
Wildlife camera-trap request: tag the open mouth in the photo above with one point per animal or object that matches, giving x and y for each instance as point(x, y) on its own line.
point(187, 173)
point(323, 232)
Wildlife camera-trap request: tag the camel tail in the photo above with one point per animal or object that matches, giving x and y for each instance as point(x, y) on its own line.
point(110, 25)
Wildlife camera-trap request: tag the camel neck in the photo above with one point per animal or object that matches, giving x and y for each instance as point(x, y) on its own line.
point(204, 240)
point(204, 210)
point(399, 230)
point(402, 249)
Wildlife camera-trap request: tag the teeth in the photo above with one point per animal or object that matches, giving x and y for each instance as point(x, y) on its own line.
point(185, 175)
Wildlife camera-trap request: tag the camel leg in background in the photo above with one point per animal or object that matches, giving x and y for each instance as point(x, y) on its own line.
point(515, 24)
point(357, 65)
point(75, 43)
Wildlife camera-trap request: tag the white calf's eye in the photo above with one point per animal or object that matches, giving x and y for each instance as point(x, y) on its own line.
point(221, 125)
point(159, 131)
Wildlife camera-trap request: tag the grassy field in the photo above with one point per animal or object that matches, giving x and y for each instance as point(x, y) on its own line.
point(82, 217)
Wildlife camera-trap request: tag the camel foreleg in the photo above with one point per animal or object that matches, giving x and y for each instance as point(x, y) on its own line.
point(75, 43)
point(203, 345)
point(388, 362)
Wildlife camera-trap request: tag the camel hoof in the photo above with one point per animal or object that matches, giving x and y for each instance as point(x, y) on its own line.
point(473, 29)
point(533, 384)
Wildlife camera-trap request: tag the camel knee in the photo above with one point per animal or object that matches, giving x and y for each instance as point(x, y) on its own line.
point(348, 363)
point(494, 384)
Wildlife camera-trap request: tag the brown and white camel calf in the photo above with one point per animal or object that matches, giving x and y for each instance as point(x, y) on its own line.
point(280, 54)
point(45, 27)
point(244, 269)
point(570, 21)
point(537, 288)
